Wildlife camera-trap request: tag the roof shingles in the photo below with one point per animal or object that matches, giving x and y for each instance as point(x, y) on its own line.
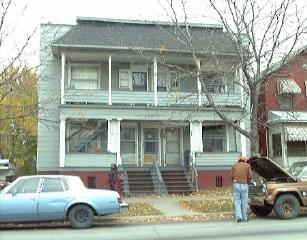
point(145, 36)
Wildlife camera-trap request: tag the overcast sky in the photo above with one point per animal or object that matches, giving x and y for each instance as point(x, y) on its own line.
point(23, 21)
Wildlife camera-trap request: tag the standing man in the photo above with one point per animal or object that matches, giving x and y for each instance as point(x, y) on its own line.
point(241, 175)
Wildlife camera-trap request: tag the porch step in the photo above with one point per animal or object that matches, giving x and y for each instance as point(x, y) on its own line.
point(176, 182)
point(140, 182)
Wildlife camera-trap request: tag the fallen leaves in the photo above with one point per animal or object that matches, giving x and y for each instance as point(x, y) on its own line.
point(208, 206)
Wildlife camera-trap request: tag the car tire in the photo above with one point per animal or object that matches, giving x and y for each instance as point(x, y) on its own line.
point(261, 211)
point(287, 206)
point(81, 216)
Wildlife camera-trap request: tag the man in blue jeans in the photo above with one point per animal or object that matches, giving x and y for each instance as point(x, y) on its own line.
point(241, 175)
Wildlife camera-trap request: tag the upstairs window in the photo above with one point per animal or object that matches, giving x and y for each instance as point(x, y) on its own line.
point(215, 83)
point(84, 76)
point(135, 78)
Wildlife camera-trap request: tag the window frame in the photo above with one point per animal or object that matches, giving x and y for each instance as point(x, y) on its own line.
point(72, 65)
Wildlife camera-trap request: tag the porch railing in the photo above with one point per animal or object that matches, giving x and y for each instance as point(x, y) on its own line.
point(147, 98)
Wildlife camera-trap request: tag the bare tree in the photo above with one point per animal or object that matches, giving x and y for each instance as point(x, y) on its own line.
point(18, 86)
point(265, 34)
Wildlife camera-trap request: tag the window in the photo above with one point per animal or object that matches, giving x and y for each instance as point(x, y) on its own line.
point(91, 182)
point(297, 148)
point(150, 141)
point(276, 138)
point(53, 185)
point(124, 78)
point(286, 101)
point(29, 185)
point(89, 136)
point(214, 138)
point(175, 81)
point(215, 83)
point(139, 81)
point(162, 79)
point(127, 140)
point(84, 77)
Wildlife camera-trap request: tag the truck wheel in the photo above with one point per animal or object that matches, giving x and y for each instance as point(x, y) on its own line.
point(81, 216)
point(261, 211)
point(287, 206)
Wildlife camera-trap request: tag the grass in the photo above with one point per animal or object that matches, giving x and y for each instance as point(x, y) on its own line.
point(209, 206)
point(139, 209)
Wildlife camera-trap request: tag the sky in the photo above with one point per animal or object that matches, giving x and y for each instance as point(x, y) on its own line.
point(25, 16)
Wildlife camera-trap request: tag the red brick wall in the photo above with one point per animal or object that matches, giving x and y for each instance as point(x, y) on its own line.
point(268, 100)
point(208, 178)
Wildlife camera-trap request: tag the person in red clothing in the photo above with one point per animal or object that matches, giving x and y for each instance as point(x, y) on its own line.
point(241, 175)
point(114, 179)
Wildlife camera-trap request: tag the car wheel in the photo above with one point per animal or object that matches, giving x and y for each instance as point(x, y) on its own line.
point(261, 211)
point(287, 206)
point(81, 216)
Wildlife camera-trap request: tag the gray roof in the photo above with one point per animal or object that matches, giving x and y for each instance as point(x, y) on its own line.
point(146, 35)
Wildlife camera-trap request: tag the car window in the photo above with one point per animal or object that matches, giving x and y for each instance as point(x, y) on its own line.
point(28, 185)
point(53, 185)
point(303, 173)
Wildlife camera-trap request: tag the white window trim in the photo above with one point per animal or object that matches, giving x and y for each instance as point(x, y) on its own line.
point(71, 64)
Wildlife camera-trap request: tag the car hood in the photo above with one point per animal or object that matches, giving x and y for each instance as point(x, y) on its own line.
point(269, 170)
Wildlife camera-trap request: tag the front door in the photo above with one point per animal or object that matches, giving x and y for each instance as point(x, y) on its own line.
point(172, 146)
point(151, 145)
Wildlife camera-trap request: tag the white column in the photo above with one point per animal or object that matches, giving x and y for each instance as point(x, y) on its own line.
point(155, 82)
point(62, 77)
point(62, 142)
point(243, 140)
point(198, 83)
point(196, 140)
point(110, 80)
point(114, 138)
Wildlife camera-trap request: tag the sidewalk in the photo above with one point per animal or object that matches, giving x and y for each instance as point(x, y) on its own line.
point(171, 210)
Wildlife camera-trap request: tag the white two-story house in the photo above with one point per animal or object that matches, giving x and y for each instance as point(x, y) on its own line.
point(128, 92)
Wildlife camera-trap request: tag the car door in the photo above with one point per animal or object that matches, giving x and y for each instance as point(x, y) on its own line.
point(19, 204)
point(54, 198)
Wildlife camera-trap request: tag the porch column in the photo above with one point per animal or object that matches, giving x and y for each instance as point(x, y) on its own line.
point(155, 82)
point(62, 143)
point(196, 139)
point(114, 138)
point(199, 83)
point(110, 80)
point(62, 77)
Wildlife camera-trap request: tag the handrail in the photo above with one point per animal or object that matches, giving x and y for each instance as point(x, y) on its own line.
point(194, 173)
point(158, 172)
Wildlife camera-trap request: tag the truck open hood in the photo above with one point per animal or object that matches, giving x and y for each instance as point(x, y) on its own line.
point(269, 170)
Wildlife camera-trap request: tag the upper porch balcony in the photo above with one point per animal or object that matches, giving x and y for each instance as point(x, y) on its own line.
point(148, 98)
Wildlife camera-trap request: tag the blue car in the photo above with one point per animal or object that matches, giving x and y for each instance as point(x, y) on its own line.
point(41, 198)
